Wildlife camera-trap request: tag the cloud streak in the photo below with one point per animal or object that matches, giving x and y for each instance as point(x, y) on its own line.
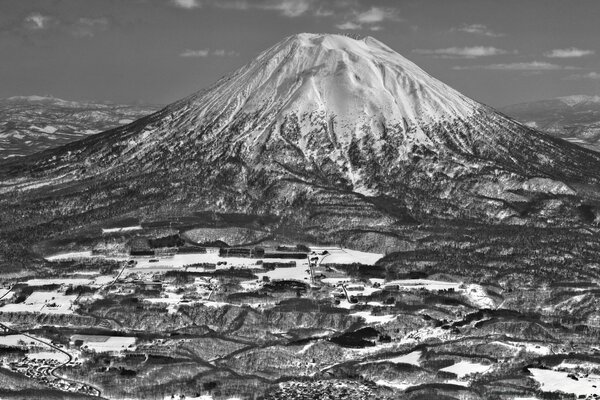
point(88, 27)
point(478, 29)
point(187, 4)
point(533, 66)
point(37, 21)
point(369, 19)
point(202, 53)
point(287, 8)
point(590, 75)
point(572, 52)
point(462, 52)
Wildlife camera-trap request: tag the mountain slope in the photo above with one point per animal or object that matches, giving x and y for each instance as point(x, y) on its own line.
point(324, 132)
point(573, 118)
point(29, 124)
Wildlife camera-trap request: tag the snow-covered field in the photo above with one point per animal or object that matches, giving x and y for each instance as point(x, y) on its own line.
point(393, 384)
point(558, 381)
point(300, 272)
point(101, 343)
point(59, 281)
point(376, 319)
point(99, 280)
point(122, 229)
point(5, 293)
point(158, 264)
point(416, 284)
point(410, 358)
point(75, 255)
point(51, 302)
point(346, 256)
point(48, 355)
point(464, 368)
point(17, 340)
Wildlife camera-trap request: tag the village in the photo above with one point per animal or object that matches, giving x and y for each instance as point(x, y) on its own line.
point(163, 278)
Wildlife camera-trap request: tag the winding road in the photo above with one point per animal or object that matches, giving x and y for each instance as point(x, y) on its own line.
point(52, 371)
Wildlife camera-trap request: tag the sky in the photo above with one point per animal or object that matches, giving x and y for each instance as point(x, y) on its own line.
point(498, 52)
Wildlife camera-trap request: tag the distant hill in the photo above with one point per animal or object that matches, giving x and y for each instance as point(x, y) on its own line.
point(29, 124)
point(574, 118)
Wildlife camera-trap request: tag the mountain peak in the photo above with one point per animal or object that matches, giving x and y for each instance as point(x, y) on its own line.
point(320, 120)
point(351, 79)
point(334, 40)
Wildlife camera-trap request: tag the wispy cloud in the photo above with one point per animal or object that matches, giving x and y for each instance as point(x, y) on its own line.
point(287, 8)
point(369, 19)
point(349, 25)
point(87, 27)
point(207, 52)
point(590, 75)
point(533, 66)
point(572, 52)
point(188, 4)
point(37, 21)
point(478, 29)
point(462, 52)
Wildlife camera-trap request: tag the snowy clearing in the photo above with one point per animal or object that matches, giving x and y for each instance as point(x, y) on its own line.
point(59, 281)
point(410, 358)
point(51, 302)
point(101, 343)
point(393, 384)
point(17, 340)
point(558, 381)
point(346, 256)
point(464, 368)
point(122, 229)
point(48, 355)
point(416, 284)
point(377, 319)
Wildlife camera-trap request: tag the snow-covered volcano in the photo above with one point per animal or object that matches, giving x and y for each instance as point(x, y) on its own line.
point(324, 128)
point(357, 81)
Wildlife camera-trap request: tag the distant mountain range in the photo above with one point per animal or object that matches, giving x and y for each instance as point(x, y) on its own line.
point(574, 118)
point(29, 124)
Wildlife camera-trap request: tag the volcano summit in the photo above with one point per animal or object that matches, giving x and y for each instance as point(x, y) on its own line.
point(319, 130)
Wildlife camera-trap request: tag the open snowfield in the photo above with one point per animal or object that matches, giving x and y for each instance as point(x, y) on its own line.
point(48, 355)
point(5, 293)
point(415, 284)
point(410, 358)
point(101, 343)
point(52, 302)
point(374, 319)
point(346, 256)
point(17, 340)
point(300, 272)
point(70, 256)
point(336, 281)
point(59, 281)
point(478, 297)
point(558, 381)
point(393, 384)
point(464, 368)
point(122, 229)
point(182, 260)
point(99, 280)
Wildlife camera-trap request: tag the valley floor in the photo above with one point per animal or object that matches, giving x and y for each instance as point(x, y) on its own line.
point(285, 321)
